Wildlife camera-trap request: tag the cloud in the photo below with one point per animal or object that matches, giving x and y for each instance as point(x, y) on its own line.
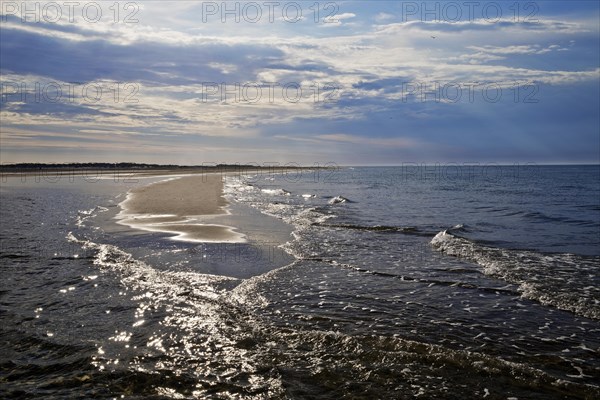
point(336, 19)
point(516, 49)
point(382, 17)
point(370, 141)
point(149, 62)
point(171, 58)
point(442, 26)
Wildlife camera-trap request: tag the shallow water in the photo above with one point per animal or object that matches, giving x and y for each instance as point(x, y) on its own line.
point(435, 282)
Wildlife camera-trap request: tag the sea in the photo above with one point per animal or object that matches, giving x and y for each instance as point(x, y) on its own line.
point(414, 281)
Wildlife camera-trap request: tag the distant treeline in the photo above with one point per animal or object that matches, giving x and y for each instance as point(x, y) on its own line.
point(128, 166)
point(122, 165)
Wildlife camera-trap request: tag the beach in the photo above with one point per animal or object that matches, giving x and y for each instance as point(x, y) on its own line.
point(182, 206)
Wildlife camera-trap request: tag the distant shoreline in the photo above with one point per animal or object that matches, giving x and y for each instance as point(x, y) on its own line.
point(143, 166)
point(123, 170)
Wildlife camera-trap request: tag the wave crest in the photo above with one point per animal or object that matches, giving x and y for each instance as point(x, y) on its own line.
point(557, 280)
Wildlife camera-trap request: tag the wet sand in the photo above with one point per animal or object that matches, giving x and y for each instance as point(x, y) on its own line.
point(182, 206)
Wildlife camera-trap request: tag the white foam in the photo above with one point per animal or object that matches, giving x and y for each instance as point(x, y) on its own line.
point(338, 200)
point(551, 279)
point(276, 192)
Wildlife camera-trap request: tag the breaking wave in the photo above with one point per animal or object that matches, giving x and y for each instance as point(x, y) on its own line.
point(566, 281)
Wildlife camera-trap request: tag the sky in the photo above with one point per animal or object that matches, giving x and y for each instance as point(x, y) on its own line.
point(304, 82)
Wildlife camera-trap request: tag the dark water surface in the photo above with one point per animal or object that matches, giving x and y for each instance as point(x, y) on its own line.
point(430, 282)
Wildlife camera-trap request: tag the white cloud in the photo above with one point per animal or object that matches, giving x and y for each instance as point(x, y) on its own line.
point(382, 17)
point(516, 49)
point(370, 141)
point(504, 24)
point(337, 19)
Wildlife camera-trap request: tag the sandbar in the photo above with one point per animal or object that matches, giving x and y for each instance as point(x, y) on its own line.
point(183, 206)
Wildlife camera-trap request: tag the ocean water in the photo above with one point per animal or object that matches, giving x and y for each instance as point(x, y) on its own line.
point(454, 282)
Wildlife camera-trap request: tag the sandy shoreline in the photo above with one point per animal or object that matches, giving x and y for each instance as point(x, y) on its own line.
point(184, 196)
point(131, 173)
point(182, 206)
